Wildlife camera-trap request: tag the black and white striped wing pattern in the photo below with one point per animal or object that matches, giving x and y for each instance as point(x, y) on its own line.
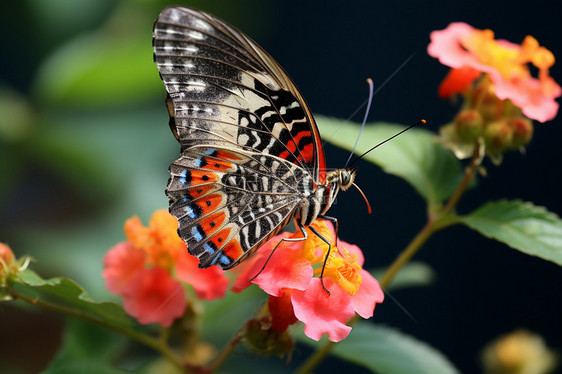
point(250, 150)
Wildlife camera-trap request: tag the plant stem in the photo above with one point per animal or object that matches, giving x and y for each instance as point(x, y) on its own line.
point(237, 338)
point(149, 341)
point(434, 224)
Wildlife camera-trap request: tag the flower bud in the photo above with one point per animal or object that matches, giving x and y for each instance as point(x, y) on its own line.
point(522, 129)
point(469, 125)
point(6, 254)
point(486, 101)
point(7, 263)
point(262, 339)
point(498, 136)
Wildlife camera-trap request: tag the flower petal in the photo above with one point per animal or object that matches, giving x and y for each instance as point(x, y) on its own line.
point(282, 313)
point(209, 283)
point(369, 294)
point(285, 269)
point(323, 313)
point(121, 263)
point(153, 296)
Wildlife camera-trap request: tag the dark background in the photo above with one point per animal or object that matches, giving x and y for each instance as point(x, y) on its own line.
point(483, 288)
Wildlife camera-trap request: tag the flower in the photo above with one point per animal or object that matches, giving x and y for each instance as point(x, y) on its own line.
point(470, 51)
point(519, 352)
point(147, 271)
point(291, 276)
point(152, 295)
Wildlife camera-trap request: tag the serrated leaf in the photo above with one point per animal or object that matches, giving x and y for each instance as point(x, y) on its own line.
point(386, 350)
point(521, 225)
point(415, 157)
point(65, 295)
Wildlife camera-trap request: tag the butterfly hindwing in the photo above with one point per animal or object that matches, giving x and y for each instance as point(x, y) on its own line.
point(250, 147)
point(228, 203)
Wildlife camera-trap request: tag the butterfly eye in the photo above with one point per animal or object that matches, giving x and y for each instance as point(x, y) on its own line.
point(345, 178)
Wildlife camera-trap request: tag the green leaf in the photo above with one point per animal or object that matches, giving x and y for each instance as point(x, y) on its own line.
point(111, 66)
point(415, 157)
point(63, 295)
point(521, 225)
point(85, 368)
point(413, 274)
point(386, 350)
point(86, 346)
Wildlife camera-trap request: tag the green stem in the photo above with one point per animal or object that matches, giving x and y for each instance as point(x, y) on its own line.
point(236, 339)
point(441, 220)
point(151, 342)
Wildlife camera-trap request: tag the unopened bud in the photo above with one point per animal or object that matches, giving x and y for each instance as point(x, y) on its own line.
point(469, 124)
point(522, 131)
point(498, 135)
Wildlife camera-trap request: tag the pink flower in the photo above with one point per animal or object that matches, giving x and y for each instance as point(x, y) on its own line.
point(209, 283)
point(292, 274)
point(153, 296)
point(461, 46)
point(121, 263)
point(147, 271)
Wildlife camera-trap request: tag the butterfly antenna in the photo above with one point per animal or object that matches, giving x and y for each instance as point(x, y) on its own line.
point(420, 122)
point(369, 102)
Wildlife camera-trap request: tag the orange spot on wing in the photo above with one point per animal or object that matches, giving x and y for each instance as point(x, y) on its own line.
point(202, 177)
point(220, 238)
point(217, 165)
point(227, 155)
point(212, 223)
point(209, 203)
point(233, 249)
point(196, 192)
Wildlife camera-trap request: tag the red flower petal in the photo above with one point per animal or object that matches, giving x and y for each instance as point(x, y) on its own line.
point(121, 263)
point(323, 313)
point(209, 283)
point(281, 309)
point(152, 296)
point(457, 80)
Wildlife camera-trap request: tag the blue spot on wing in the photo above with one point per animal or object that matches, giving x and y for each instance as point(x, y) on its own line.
point(183, 177)
point(196, 234)
point(190, 212)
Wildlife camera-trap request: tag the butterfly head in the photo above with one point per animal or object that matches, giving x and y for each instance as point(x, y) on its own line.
point(346, 177)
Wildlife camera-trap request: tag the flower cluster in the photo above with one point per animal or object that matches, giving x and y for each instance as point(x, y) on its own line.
point(501, 95)
point(291, 278)
point(147, 271)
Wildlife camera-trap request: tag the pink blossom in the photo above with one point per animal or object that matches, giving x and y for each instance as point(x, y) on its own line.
point(153, 296)
point(461, 46)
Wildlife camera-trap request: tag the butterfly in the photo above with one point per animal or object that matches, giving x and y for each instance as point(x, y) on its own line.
point(251, 156)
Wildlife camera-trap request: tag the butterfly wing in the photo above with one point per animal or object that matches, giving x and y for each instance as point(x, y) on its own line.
point(250, 146)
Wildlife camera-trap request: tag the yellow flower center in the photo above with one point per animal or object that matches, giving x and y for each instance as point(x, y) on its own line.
point(510, 62)
point(341, 267)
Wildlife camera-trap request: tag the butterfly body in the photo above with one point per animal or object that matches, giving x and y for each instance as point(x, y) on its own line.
point(251, 155)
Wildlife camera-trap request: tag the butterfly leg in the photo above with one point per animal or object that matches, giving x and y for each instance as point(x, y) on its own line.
point(335, 222)
point(327, 254)
point(305, 236)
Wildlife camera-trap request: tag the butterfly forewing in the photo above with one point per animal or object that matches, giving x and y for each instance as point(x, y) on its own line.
point(250, 149)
